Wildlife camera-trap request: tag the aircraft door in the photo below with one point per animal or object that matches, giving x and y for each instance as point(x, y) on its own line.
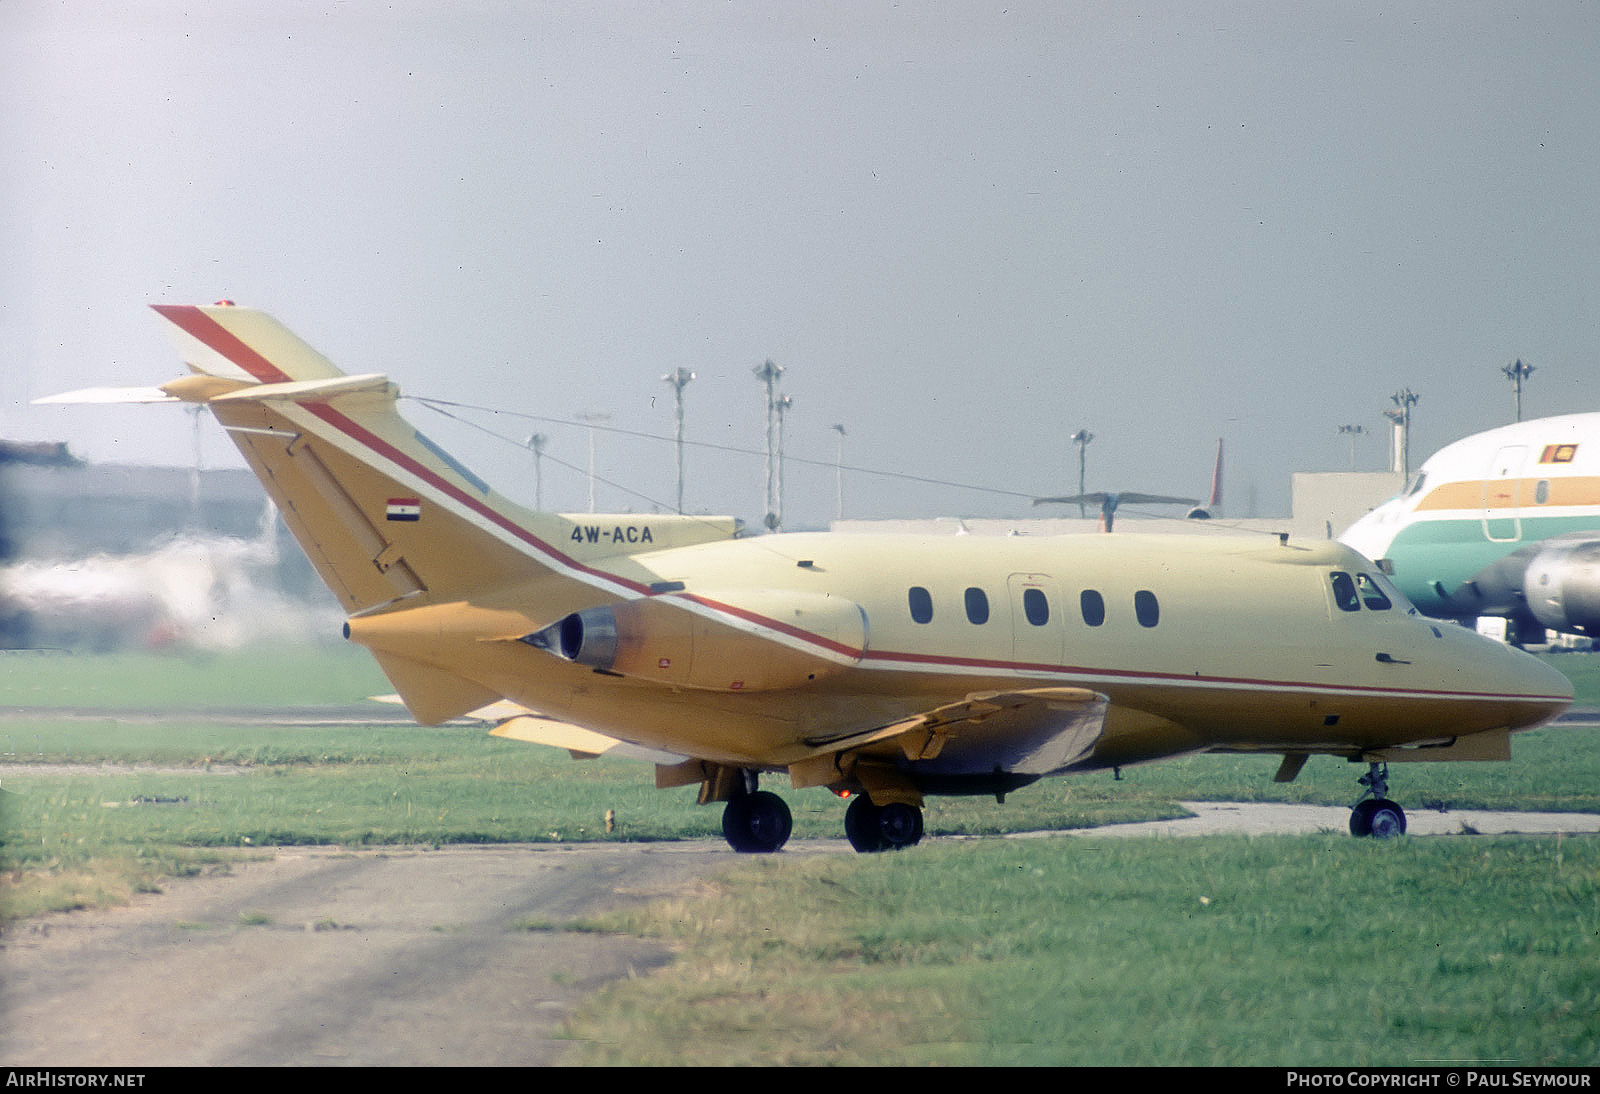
point(1502, 495)
point(1037, 631)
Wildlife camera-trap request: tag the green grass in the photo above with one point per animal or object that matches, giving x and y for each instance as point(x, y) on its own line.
point(134, 680)
point(185, 791)
point(1267, 951)
point(1290, 950)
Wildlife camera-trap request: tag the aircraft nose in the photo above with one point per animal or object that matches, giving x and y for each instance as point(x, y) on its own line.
point(1545, 692)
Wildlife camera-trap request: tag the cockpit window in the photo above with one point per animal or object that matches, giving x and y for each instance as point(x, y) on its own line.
point(1371, 595)
point(1416, 484)
point(1344, 592)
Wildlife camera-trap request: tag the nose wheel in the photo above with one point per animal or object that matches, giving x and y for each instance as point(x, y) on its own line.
point(881, 827)
point(1376, 815)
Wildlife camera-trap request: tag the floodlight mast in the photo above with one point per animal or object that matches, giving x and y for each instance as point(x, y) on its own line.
point(590, 419)
point(1082, 438)
point(769, 373)
point(1352, 431)
point(784, 403)
point(1404, 400)
point(838, 475)
point(679, 379)
point(536, 443)
point(1517, 372)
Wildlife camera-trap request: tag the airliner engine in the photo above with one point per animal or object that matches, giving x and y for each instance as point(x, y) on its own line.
point(1562, 586)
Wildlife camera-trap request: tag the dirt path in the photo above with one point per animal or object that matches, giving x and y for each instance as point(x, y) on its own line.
point(395, 957)
point(413, 957)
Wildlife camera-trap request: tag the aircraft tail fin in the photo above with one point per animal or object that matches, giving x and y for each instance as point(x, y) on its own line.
point(384, 514)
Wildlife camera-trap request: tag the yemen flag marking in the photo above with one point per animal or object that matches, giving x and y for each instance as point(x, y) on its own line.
point(404, 509)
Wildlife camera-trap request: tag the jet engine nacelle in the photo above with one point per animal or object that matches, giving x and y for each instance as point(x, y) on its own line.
point(744, 641)
point(1562, 587)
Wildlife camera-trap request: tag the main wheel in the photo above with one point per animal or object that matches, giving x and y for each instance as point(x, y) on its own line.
point(757, 823)
point(901, 825)
point(861, 825)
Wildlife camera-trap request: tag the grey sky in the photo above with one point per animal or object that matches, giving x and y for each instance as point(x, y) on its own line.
point(965, 229)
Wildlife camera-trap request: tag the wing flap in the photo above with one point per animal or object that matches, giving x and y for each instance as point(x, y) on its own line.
point(1034, 731)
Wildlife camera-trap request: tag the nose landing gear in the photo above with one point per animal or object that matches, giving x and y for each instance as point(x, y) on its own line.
point(1375, 815)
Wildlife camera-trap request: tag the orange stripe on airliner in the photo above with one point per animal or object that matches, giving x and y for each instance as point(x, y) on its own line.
point(1505, 493)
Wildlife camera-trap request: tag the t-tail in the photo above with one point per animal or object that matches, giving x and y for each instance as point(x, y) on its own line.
point(388, 519)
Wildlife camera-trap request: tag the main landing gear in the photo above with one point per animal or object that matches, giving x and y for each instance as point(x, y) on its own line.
point(1375, 815)
point(881, 827)
point(758, 822)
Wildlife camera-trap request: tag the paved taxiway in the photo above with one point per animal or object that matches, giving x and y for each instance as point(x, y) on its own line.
point(407, 956)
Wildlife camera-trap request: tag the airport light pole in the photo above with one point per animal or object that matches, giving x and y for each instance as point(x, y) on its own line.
point(784, 403)
point(1404, 400)
point(679, 379)
point(536, 443)
point(838, 476)
point(1352, 431)
point(590, 419)
point(1082, 438)
point(1517, 372)
point(769, 373)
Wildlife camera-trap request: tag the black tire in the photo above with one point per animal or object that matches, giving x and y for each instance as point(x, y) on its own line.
point(1361, 818)
point(757, 823)
point(1378, 818)
point(862, 825)
point(901, 825)
point(1388, 820)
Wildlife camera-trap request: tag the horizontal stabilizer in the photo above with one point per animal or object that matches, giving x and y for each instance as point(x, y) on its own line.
point(539, 730)
point(432, 695)
point(110, 395)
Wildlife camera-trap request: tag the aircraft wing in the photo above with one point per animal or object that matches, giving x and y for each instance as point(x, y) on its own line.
point(1033, 731)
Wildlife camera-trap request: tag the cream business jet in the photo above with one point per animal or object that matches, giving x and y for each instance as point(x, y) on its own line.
point(883, 668)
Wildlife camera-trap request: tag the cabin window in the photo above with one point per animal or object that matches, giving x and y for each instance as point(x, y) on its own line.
point(1035, 606)
point(1344, 592)
point(1541, 492)
point(921, 604)
point(1145, 608)
point(977, 606)
point(1093, 606)
point(1371, 595)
